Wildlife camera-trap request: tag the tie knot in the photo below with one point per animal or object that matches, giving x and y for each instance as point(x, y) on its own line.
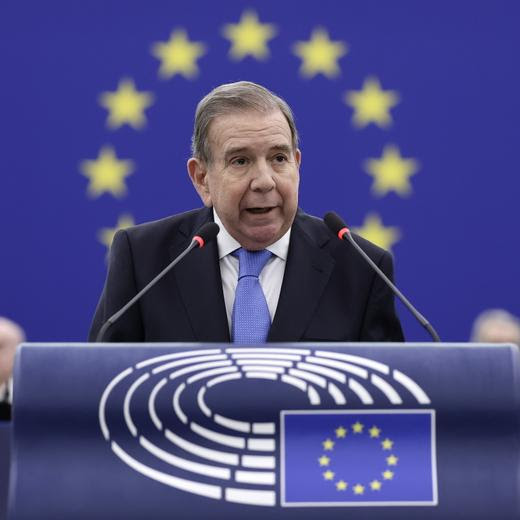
point(251, 263)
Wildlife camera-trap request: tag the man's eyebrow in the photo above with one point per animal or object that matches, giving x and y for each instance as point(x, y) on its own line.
point(282, 148)
point(235, 150)
point(244, 149)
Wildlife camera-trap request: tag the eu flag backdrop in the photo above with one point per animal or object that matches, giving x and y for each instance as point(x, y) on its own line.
point(408, 113)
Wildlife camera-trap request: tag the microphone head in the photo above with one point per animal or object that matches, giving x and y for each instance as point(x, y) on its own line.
point(336, 224)
point(206, 233)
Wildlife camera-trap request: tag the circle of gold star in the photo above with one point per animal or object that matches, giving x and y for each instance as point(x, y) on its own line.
point(375, 485)
point(328, 475)
point(371, 104)
point(320, 55)
point(107, 173)
point(387, 444)
point(341, 485)
point(178, 55)
point(374, 433)
point(341, 432)
point(391, 172)
point(374, 230)
point(358, 489)
point(357, 427)
point(328, 444)
point(324, 460)
point(388, 474)
point(126, 105)
point(249, 37)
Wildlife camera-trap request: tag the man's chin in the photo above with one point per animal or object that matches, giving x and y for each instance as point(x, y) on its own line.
point(259, 237)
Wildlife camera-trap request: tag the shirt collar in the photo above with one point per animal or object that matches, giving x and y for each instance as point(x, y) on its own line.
point(227, 244)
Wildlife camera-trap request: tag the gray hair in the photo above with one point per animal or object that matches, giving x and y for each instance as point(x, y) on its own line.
point(239, 96)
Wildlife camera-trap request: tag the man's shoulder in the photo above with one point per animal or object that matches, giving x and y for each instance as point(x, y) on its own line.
point(318, 232)
point(185, 223)
point(313, 228)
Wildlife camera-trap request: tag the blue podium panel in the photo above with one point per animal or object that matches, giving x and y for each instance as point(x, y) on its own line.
point(5, 441)
point(356, 431)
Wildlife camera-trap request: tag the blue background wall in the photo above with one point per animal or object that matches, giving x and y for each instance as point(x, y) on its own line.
point(453, 66)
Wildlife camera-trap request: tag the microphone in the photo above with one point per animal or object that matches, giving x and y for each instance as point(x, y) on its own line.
point(205, 234)
point(336, 224)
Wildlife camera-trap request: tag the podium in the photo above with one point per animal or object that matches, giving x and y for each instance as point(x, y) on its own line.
point(296, 431)
point(5, 443)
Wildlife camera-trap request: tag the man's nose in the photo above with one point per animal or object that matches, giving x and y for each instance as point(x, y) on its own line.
point(263, 179)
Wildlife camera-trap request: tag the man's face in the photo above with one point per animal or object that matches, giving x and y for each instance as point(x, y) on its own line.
point(252, 181)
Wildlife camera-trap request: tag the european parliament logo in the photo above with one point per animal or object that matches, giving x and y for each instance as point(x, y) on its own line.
point(289, 427)
point(358, 458)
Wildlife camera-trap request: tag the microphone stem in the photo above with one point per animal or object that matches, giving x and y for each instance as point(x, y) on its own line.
point(422, 320)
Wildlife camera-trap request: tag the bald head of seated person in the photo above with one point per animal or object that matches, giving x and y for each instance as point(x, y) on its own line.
point(304, 283)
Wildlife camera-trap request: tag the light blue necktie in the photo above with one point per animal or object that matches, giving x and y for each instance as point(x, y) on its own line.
point(250, 320)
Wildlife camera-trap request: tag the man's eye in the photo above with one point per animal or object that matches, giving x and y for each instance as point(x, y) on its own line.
point(239, 161)
point(280, 158)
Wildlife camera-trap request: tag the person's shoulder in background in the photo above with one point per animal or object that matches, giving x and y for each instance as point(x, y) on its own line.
point(11, 335)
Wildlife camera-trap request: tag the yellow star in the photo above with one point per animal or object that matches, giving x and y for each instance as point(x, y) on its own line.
point(106, 235)
point(328, 475)
point(371, 104)
point(375, 485)
point(126, 105)
point(392, 460)
point(391, 172)
point(320, 54)
point(178, 55)
point(388, 475)
point(341, 432)
point(324, 460)
point(341, 485)
point(249, 37)
point(374, 231)
point(328, 444)
point(357, 427)
point(107, 173)
point(358, 489)
point(374, 432)
point(387, 444)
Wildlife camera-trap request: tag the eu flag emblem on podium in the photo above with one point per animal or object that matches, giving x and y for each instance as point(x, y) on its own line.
point(358, 458)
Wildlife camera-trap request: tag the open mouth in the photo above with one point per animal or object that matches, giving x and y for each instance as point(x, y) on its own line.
point(259, 211)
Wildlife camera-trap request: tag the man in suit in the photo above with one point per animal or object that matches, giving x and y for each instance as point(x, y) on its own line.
point(245, 168)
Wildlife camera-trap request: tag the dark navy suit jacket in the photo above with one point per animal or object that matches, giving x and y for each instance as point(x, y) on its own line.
point(329, 293)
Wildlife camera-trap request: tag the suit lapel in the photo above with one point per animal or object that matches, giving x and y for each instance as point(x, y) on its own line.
point(200, 286)
point(307, 272)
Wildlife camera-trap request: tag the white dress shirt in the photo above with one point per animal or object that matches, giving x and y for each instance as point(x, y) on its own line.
point(271, 277)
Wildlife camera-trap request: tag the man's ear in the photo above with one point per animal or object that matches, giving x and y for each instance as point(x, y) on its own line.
point(197, 170)
point(298, 157)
